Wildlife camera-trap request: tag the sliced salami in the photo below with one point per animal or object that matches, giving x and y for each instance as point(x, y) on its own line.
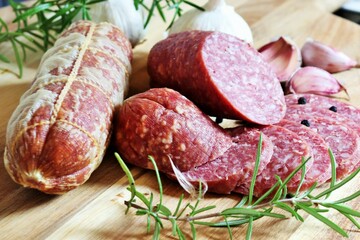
point(335, 106)
point(221, 74)
point(343, 141)
point(320, 169)
point(289, 149)
point(163, 123)
point(235, 167)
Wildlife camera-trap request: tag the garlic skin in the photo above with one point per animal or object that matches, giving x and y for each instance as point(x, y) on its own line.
point(284, 57)
point(325, 57)
point(314, 80)
point(218, 16)
point(121, 13)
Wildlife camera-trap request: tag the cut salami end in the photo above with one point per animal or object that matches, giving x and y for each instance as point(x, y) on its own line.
point(223, 75)
point(235, 167)
point(162, 123)
point(289, 149)
point(320, 170)
point(344, 142)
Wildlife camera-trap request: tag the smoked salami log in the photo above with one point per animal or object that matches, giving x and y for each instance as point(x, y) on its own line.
point(58, 134)
point(221, 74)
point(162, 123)
point(235, 167)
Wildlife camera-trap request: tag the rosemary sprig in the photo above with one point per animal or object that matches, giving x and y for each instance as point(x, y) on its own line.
point(246, 212)
point(38, 25)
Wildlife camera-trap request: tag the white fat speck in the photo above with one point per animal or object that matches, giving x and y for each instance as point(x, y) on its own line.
point(179, 109)
point(168, 139)
point(143, 118)
point(182, 147)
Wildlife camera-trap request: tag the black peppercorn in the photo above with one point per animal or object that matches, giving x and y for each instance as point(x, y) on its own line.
point(218, 120)
point(305, 122)
point(333, 108)
point(302, 100)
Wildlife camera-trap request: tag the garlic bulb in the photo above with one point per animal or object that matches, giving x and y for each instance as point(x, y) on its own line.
point(121, 13)
point(218, 16)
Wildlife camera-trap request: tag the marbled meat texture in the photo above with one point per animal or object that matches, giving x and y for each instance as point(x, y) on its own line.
point(221, 74)
point(289, 149)
point(58, 134)
point(320, 103)
point(342, 139)
point(162, 123)
point(235, 167)
point(320, 167)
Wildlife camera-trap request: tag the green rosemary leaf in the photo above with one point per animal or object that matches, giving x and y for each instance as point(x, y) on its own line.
point(156, 235)
point(342, 209)
point(32, 11)
point(173, 226)
point(141, 212)
point(289, 209)
point(158, 179)
point(17, 57)
point(179, 204)
point(150, 13)
point(279, 192)
point(303, 171)
point(163, 210)
point(180, 233)
point(249, 229)
point(204, 209)
point(141, 197)
point(148, 224)
point(333, 171)
point(159, 8)
point(130, 179)
point(243, 201)
point(323, 219)
point(183, 210)
point(265, 195)
point(338, 185)
point(352, 219)
point(3, 58)
point(256, 170)
point(309, 191)
point(348, 198)
point(240, 211)
point(193, 230)
point(194, 5)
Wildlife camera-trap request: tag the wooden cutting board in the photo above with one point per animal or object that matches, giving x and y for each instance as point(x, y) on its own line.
point(96, 210)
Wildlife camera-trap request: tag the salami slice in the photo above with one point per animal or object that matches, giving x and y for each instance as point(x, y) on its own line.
point(163, 123)
point(235, 167)
point(221, 74)
point(336, 107)
point(289, 149)
point(320, 169)
point(343, 141)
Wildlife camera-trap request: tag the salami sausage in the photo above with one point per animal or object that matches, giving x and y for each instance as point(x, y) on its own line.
point(320, 170)
point(162, 123)
point(58, 134)
point(221, 74)
point(343, 141)
point(235, 167)
point(289, 149)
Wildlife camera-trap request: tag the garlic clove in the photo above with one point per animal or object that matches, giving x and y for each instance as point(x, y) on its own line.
point(122, 14)
point(325, 57)
point(218, 16)
point(284, 57)
point(314, 80)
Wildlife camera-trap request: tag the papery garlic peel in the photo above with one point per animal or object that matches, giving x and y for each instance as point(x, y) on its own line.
point(121, 13)
point(284, 57)
point(314, 80)
point(218, 16)
point(319, 55)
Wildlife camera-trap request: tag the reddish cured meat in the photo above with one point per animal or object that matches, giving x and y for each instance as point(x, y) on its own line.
point(342, 139)
point(235, 167)
point(289, 149)
point(342, 109)
point(58, 134)
point(221, 74)
point(162, 123)
point(320, 170)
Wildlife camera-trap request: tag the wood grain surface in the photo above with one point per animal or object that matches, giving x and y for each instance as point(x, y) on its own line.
point(96, 210)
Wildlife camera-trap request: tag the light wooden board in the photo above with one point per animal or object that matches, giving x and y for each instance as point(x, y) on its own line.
point(96, 211)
